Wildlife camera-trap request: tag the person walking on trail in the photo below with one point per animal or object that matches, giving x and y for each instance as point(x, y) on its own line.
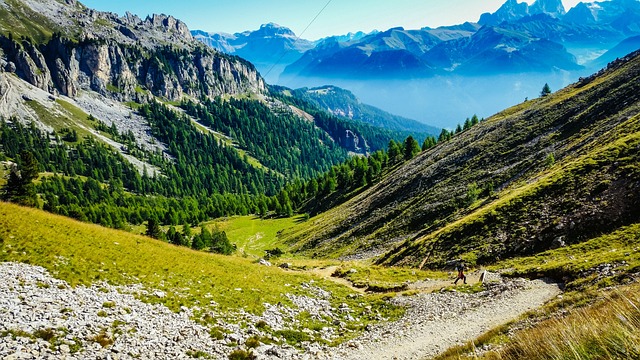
point(461, 275)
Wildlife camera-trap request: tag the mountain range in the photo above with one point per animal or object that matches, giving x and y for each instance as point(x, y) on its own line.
point(516, 38)
point(438, 75)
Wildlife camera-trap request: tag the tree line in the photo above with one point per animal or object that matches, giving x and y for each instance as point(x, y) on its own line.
point(200, 179)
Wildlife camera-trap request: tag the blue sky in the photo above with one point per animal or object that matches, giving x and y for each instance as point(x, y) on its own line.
point(339, 17)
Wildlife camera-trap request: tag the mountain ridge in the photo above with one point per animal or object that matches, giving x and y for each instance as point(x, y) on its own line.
point(420, 209)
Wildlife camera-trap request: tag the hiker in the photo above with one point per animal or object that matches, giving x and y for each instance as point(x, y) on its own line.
point(461, 275)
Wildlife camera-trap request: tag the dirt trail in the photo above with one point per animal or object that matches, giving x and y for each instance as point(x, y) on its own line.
point(436, 322)
point(326, 273)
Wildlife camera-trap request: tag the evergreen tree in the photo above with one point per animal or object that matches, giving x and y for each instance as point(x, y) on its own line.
point(153, 229)
point(394, 151)
point(174, 237)
point(220, 244)
point(411, 148)
point(197, 243)
point(20, 187)
point(205, 237)
point(546, 90)
point(467, 124)
point(444, 135)
point(428, 143)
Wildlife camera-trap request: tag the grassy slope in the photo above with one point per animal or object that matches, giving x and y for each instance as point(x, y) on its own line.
point(83, 253)
point(253, 235)
point(592, 188)
point(607, 329)
point(566, 191)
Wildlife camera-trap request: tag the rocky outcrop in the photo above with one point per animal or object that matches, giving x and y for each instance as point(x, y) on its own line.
point(125, 72)
point(28, 63)
point(169, 23)
point(124, 58)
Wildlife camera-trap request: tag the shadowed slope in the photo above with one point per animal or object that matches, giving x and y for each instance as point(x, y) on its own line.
point(557, 169)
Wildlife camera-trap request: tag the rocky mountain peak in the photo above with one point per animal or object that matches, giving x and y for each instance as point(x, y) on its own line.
point(512, 10)
point(509, 11)
point(273, 29)
point(549, 7)
point(169, 23)
point(124, 58)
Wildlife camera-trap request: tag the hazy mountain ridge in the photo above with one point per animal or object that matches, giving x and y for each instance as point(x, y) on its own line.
point(272, 47)
point(269, 48)
point(343, 103)
point(537, 45)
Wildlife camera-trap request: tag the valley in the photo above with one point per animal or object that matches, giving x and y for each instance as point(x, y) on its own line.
point(160, 199)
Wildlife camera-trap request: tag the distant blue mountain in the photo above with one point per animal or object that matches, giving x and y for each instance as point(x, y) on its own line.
point(269, 48)
point(343, 103)
point(625, 47)
point(513, 11)
point(516, 38)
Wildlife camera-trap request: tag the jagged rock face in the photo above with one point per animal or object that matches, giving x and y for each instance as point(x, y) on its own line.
point(169, 23)
point(28, 62)
point(124, 58)
point(549, 7)
point(121, 71)
point(512, 10)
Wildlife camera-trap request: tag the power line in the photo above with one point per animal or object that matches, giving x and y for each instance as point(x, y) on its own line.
point(298, 38)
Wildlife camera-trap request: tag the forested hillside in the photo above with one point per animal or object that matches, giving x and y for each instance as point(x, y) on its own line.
point(125, 129)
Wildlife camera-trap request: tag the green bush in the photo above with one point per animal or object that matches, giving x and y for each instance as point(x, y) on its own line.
point(293, 336)
point(241, 355)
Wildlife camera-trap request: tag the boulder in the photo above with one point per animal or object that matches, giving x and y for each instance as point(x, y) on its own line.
point(264, 262)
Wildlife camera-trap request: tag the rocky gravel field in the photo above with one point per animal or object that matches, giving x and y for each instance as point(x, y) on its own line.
point(44, 318)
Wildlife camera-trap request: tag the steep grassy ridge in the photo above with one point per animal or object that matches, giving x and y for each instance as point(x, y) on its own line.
point(558, 169)
point(20, 20)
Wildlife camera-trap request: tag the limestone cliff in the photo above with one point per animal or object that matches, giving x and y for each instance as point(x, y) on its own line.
point(124, 58)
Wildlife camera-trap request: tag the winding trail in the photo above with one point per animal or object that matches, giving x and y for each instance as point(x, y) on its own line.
point(421, 335)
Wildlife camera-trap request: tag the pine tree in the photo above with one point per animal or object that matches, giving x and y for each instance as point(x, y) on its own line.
point(444, 135)
point(411, 148)
point(467, 124)
point(546, 90)
point(220, 243)
point(20, 187)
point(153, 228)
point(428, 143)
point(394, 151)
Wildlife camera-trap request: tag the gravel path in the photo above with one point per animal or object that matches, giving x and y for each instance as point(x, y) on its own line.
point(438, 321)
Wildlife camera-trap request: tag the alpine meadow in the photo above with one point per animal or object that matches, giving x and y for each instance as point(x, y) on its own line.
point(469, 191)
